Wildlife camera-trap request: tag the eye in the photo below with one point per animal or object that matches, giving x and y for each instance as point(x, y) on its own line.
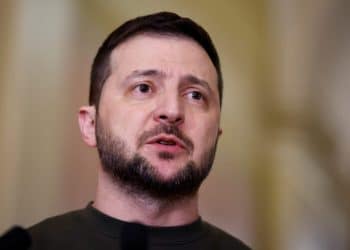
point(195, 95)
point(143, 88)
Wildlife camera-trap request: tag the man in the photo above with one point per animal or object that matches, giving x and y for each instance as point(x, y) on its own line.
point(153, 114)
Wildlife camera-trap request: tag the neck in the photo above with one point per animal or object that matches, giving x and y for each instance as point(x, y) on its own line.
point(115, 201)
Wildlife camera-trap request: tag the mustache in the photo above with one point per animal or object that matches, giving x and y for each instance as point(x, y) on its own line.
point(165, 129)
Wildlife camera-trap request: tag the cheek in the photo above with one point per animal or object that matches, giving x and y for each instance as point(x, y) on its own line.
point(204, 134)
point(126, 122)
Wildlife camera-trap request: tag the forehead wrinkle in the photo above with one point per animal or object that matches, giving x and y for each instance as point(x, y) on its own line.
point(146, 72)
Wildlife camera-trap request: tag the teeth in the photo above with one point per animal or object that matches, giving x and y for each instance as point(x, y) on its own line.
point(166, 142)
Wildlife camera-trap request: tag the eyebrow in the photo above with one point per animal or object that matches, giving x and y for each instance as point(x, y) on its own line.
point(195, 80)
point(157, 73)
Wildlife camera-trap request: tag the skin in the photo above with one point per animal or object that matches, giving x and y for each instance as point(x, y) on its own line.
point(155, 79)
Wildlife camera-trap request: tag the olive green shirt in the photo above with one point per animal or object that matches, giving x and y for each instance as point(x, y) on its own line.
point(89, 229)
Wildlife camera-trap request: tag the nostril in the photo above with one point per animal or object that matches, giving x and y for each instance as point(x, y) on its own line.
point(169, 118)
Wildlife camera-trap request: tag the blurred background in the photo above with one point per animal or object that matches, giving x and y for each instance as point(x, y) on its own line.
point(281, 178)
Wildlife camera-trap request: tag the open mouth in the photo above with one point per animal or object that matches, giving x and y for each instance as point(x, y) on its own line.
point(167, 142)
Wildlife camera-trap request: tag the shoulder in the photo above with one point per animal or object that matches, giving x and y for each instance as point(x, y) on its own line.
point(59, 222)
point(56, 230)
point(223, 240)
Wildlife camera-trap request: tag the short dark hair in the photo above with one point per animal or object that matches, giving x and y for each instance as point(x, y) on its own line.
point(164, 23)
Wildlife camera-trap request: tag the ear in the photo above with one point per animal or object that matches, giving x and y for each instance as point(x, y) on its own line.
point(219, 132)
point(87, 119)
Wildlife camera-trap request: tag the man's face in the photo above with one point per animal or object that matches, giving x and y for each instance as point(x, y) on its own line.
point(160, 105)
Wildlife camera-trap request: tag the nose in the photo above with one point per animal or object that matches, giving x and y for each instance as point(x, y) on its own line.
point(169, 110)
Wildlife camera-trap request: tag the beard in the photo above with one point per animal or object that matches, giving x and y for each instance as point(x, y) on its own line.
point(138, 176)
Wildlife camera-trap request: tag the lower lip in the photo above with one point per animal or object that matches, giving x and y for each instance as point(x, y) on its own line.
point(167, 148)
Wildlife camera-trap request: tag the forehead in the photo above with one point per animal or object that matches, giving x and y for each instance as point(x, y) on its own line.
point(175, 55)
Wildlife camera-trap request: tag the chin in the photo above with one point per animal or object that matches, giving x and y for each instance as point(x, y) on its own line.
point(167, 169)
